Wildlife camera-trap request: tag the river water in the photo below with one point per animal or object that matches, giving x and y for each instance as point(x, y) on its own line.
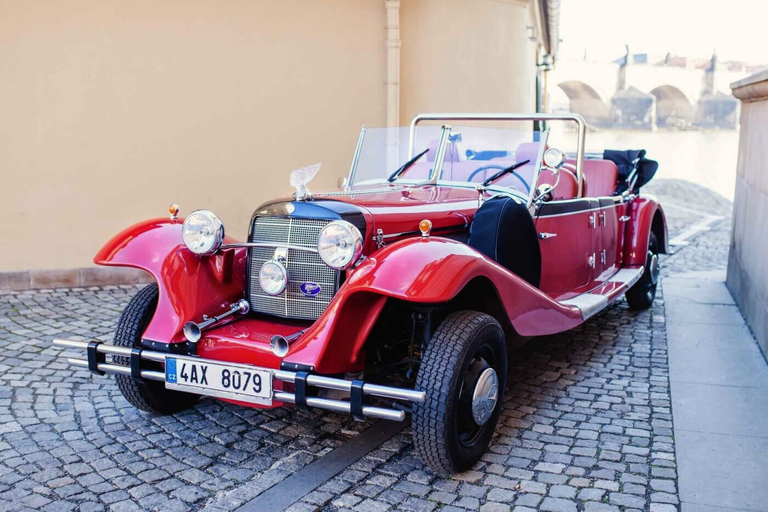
point(704, 157)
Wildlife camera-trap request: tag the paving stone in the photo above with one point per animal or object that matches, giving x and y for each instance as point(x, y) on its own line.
point(558, 505)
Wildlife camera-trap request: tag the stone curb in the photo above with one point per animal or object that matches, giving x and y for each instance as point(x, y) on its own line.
point(72, 278)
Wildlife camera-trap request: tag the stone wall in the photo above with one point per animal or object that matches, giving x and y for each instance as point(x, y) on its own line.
point(747, 263)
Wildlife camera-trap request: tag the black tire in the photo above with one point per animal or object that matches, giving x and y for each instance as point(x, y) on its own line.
point(445, 432)
point(642, 293)
point(149, 396)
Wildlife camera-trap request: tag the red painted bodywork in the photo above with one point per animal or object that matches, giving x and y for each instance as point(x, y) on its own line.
point(638, 229)
point(409, 268)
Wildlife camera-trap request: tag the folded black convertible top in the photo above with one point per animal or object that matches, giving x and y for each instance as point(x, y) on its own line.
point(629, 160)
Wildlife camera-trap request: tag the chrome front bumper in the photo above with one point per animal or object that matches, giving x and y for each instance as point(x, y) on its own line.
point(96, 362)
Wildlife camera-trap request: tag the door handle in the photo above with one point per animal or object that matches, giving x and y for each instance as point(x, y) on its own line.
point(544, 235)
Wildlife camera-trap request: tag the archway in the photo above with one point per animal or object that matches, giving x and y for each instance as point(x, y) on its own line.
point(673, 107)
point(586, 101)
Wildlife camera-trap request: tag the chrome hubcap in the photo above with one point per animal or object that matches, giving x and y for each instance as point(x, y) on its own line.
point(485, 396)
point(653, 266)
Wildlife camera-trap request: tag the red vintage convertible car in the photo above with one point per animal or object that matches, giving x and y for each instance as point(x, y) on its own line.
point(399, 293)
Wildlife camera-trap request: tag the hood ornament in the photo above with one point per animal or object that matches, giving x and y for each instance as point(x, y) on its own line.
point(300, 178)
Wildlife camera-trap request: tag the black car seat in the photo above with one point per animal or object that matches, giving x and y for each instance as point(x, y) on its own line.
point(504, 231)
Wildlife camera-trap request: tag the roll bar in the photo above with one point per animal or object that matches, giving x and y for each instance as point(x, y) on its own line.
point(582, 130)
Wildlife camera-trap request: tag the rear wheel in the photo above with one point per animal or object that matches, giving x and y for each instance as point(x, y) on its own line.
point(642, 293)
point(463, 371)
point(150, 396)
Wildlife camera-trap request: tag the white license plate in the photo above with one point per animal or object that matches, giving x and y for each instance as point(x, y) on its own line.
point(223, 380)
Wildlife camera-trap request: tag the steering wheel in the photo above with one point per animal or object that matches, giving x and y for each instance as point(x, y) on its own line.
point(500, 168)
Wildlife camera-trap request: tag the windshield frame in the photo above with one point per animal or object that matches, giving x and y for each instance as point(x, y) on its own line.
point(436, 175)
point(579, 120)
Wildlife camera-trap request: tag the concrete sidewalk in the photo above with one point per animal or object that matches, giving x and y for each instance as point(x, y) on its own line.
point(719, 384)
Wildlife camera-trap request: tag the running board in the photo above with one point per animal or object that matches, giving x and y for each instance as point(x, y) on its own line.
point(357, 389)
point(597, 299)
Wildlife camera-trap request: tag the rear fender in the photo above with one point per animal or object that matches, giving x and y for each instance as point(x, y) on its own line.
point(646, 215)
point(189, 285)
point(422, 271)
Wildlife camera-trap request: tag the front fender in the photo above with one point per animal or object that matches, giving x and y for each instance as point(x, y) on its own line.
point(425, 270)
point(643, 212)
point(189, 285)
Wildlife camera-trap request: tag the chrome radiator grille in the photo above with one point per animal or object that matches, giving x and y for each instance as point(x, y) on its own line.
point(302, 266)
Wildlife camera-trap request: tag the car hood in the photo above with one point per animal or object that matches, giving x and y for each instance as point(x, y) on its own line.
point(392, 211)
point(397, 210)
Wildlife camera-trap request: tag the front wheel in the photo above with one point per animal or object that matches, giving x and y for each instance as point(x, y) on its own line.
point(463, 371)
point(642, 293)
point(149, 396)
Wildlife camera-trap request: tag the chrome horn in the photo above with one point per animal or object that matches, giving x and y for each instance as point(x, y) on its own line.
point(280, 344)
point(194, 331)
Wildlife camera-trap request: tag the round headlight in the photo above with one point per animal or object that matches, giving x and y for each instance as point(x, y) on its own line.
point(273, 277)
point(340, 244)
point(202, 232)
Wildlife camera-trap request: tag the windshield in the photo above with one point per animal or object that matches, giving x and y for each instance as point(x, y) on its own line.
point(473, 155)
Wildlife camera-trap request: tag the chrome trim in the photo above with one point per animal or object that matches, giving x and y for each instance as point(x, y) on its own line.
point(539, 159)
point(579, 120)
point(356, 157)
point(320, 381)
point(269, 244)
point(437, 169)
point(485, 396)
point(378, 238)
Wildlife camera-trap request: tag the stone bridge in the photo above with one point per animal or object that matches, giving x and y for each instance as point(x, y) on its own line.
point(615, 94)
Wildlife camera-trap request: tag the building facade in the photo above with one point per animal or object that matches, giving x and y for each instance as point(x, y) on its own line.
point(111, 110)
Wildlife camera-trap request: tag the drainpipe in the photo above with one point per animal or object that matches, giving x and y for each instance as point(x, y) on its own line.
point(393, 62)
point(543, 65)
point(393, 81)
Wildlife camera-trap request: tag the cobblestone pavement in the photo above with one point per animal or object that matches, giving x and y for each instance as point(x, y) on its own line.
point(586, 425)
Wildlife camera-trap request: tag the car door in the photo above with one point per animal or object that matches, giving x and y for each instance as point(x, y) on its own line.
point(609, 255)
point(568, 238)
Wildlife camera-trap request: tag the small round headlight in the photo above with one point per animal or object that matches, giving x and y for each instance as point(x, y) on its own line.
point(273, 277)
point(202, 232)
point(340, 244)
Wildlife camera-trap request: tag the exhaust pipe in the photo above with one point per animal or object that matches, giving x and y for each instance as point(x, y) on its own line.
point(194, 331)
point(281, 344)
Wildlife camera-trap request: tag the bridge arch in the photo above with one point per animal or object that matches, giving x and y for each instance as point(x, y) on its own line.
point(585, 100)
point(673, 107)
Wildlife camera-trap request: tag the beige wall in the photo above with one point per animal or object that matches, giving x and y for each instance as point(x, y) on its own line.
point(467, 56)
point(747, 267)
point(112, 109)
